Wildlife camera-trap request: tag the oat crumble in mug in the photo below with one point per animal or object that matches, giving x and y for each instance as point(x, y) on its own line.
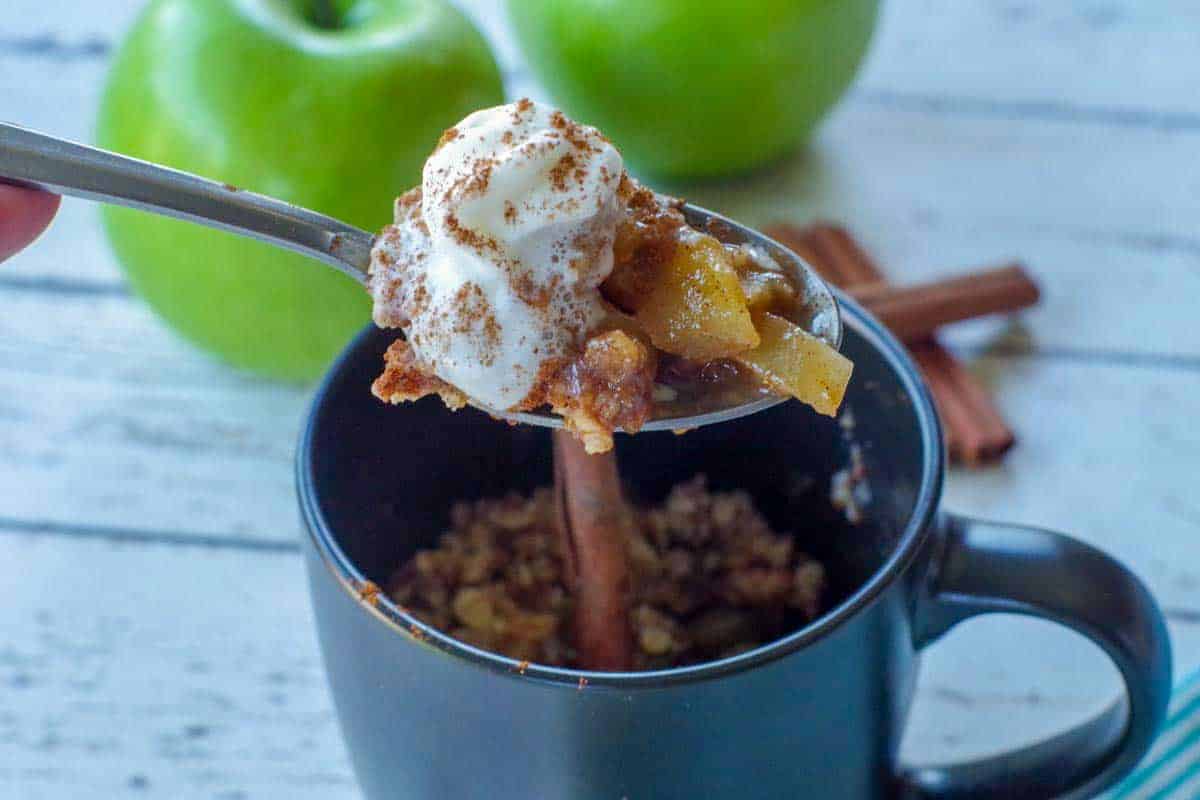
point(817, 713)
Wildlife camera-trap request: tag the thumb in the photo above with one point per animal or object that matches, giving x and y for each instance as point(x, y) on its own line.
point(24, 213)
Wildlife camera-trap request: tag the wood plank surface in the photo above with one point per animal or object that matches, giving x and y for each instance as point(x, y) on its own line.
point(158, 671)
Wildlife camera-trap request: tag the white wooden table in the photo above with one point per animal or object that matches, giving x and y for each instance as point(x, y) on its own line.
point(155, 635)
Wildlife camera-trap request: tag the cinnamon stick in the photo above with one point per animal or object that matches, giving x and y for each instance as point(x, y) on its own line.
point(593, 520)
point(983, 434)
point(914, 312)
point(974, 429)
point(831, 250)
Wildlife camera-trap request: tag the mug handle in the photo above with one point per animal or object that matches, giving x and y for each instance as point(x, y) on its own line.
point(985, 567)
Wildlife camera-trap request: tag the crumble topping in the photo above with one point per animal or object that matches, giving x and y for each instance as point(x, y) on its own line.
point(710, 578)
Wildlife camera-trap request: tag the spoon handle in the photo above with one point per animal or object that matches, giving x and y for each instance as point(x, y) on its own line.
point(29, 158)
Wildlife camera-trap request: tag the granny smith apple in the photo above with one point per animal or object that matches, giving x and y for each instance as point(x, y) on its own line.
point(696, 88)
point(331, 105)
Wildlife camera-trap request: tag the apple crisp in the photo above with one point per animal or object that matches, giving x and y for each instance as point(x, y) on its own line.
point(529, 270)
point(710, 579)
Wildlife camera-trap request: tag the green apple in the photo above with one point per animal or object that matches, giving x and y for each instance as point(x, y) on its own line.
point(331, 105)
point(696, 88)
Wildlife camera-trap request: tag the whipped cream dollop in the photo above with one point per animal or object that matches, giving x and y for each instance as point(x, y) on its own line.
point(493, 265)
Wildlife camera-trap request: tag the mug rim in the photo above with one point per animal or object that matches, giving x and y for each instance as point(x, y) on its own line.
point(916, 530)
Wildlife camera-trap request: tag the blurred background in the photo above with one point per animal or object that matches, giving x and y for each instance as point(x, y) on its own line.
point(157, 639)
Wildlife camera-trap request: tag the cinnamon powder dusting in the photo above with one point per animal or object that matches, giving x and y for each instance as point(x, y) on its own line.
point(576, 134)
point(520, 109)
point(531, 292)
point(448, 135)
point(472, 315)
point(469, 237)
point(567, 169)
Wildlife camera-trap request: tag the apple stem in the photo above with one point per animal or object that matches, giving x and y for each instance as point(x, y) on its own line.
point(328, 14)
point(593, 521)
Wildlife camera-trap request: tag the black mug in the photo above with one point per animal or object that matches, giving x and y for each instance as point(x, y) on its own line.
point(818, 713)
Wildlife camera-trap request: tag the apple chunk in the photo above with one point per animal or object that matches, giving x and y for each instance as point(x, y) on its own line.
point(790, 360)
point(765, 289)
point(691, 304)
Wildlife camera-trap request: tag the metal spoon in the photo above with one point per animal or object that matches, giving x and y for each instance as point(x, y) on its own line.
point(29, 158)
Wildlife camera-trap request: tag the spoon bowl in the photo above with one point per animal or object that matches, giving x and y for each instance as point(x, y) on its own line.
point(36, 160)
point(823, 320)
